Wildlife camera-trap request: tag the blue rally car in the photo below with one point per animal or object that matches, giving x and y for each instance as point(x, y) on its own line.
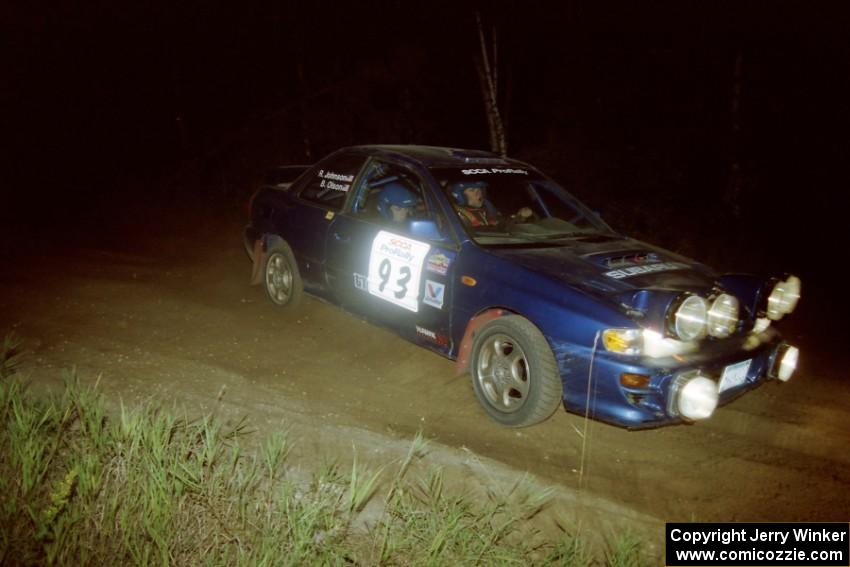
point(489, 262)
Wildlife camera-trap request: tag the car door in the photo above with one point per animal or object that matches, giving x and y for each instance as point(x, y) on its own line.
point(397, 274)
point(318, 200)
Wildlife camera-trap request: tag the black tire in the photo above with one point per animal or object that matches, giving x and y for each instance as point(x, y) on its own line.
point(514, 373)
point(281, 278)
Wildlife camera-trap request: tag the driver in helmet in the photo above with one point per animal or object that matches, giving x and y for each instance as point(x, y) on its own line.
point(397, 203)
point(474, 208)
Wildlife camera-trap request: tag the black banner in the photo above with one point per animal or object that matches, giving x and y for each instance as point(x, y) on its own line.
point(762, 545)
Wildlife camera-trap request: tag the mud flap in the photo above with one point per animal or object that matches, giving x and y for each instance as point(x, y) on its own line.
point(465, 350)
point(259, 257)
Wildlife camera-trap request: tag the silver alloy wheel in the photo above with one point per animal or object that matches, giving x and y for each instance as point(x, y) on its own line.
point(503, 373)
point(278, 278)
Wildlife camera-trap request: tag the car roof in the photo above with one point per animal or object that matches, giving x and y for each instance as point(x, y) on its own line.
point(436, 156)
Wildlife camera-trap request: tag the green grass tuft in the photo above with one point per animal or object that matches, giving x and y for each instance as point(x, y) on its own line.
point(145, 486)
point(10, 355)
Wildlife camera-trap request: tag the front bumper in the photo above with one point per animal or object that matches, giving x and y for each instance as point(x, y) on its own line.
point(592, 384)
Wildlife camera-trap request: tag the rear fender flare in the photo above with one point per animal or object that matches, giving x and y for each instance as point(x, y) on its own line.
point(260, 249)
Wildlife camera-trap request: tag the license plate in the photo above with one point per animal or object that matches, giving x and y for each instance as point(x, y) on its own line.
point(734, 375)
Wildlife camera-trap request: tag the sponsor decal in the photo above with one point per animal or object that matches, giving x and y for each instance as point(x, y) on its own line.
point(647, 269)
point(438, 338)
point(479, 171)
point(633, 260)
point(361, 282)
point(426, 333)
point(439, 262)
point(434, 294)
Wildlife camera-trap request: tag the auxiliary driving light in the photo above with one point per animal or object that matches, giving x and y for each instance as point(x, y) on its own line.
point(785, 362)
point(690, 318)
point(783, 297)
point(723, 316)
point(695, 397)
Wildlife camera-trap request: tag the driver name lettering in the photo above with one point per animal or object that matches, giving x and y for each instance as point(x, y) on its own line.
point(493, 170)
point(335, 186)
point(335, 176)
point(329, 179)
point(648, 269)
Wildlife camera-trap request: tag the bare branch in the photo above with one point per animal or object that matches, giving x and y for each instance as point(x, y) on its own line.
point(487, 76)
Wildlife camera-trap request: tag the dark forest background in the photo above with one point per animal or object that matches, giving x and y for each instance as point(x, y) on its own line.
point(715, 129)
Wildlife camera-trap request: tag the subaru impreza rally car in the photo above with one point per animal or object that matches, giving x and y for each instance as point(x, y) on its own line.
point(489, 262)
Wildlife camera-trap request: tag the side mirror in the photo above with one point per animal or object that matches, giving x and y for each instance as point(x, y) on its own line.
point(425, 229)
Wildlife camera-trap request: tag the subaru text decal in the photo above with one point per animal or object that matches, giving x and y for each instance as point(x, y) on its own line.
point(648, 269)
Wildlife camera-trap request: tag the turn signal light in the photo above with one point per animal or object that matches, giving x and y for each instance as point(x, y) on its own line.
point(630, 380)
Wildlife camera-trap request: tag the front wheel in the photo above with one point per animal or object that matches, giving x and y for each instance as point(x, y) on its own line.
point(282, 280)
point(514, 373)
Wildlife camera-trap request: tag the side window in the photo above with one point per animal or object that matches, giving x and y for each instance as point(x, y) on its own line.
point(332, 180)
point(393, 196)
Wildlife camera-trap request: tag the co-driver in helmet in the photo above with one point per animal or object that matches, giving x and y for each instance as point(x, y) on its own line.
point(397, 203)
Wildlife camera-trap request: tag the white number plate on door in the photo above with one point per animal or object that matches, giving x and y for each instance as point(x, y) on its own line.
point(395, 266)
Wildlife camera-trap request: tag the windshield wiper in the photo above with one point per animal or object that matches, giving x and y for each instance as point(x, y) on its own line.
point(590, 233)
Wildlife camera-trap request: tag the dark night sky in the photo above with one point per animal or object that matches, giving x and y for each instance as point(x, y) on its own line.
point(628, 104)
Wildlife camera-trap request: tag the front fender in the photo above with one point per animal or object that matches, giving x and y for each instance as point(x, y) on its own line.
point(556, 308)
point(465, 349)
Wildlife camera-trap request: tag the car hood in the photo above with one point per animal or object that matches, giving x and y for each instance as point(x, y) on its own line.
point(607, 266)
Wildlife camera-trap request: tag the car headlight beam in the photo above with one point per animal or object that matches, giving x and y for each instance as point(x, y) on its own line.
point(723, 316)
point(623, 341)
point(783, 297)
point(695, 397)
point(784, 362)
point(690, 318)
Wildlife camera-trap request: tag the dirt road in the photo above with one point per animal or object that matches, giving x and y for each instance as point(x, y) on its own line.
point(175, 320)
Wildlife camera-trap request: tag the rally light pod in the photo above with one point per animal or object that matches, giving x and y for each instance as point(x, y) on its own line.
point(693, 396)
point(688, 317)
point(784, 362)
point(783, 297)
point(723, 316)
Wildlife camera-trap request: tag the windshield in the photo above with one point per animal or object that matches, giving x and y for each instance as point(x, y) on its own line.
point(516, 206)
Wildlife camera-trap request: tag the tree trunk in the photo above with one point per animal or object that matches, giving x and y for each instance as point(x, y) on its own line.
point(488, 79)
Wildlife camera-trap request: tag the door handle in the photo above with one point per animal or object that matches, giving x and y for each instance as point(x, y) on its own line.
point(341, 237)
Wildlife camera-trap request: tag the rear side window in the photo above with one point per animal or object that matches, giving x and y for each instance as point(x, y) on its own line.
point(331, 180)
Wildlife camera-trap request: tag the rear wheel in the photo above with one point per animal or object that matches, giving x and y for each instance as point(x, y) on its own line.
point(282, 280)
point(514, 373)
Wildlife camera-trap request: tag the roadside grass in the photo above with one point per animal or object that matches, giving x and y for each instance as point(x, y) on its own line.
point(148, 487)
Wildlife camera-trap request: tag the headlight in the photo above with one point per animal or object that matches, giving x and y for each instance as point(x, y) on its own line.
point(783, 297)
point(694, 397)
point(723, 316)
point(623, 341)
point(644, 342)
point(690, 318)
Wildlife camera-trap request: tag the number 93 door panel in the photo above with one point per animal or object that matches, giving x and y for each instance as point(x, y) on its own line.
point(393, 279)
